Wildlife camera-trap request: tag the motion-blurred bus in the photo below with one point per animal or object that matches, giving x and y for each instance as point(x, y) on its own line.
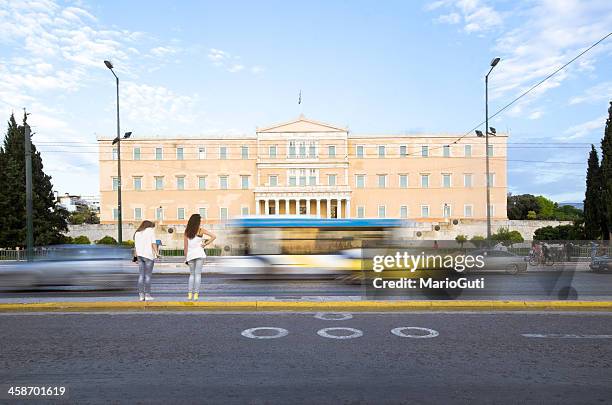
point(304, 245)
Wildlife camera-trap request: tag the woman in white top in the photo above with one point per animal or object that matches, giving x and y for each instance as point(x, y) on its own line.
point(194, 245)
point(146, 251)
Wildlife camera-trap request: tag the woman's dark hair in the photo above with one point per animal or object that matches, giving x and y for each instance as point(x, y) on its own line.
point(144, 225)
point(193, 226)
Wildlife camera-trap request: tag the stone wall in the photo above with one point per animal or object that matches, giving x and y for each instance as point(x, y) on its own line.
point(171, 236)
point(447, 231)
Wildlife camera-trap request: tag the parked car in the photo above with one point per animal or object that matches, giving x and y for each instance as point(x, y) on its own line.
point(501, 260)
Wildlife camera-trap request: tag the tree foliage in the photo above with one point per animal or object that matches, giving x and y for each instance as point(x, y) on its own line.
point(81, 240)
point(107, 240)
point(507, 237)
point(49, 218)
point(606, 176)
point(461, 239)
point(561, 232)
point(593, 203)
point(83, 215)
point(527, 206)
point(478, 240)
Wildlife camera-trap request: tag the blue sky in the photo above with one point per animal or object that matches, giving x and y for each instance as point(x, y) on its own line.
point(376, 67)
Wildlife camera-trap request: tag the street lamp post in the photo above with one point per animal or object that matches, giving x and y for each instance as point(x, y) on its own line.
point(117, 141)
point(494, 62)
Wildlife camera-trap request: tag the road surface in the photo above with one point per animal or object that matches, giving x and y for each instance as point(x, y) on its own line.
point(528, 286)
point(161, 358)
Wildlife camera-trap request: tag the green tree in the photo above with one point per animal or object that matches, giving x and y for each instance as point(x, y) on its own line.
point(546, 208)
point(593, 204)
point(606, 176)
point(49, 218)
point(83, 215)
point(568, 213)
point(507, 237)
point(532, 215)
point(520, 205)
point(561, 232)
point(461, 239)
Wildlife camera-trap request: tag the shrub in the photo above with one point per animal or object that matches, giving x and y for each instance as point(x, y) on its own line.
point(81, 240)
point(507, 237)
point(128, 243)
point(461, 239)
point(478, 240)
point(107, 240)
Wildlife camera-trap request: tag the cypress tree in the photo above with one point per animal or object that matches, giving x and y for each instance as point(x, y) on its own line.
point(606, 177)
point(592, 198)
point(49, 218)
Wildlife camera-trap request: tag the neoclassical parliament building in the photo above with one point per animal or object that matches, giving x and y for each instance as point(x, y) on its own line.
point(303, 167)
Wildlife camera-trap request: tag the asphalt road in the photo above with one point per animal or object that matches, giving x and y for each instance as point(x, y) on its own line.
point(162, 358)
point(541, 285)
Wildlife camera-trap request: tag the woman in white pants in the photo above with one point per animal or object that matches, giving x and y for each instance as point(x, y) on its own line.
point(194, 245)
point(146, 251)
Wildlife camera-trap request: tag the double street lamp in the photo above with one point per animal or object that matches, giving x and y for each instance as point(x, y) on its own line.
point(117, 141)
point(488, 131)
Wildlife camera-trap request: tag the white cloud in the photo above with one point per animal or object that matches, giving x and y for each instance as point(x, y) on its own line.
point(586, 128)
point(229, 62)
point(450, 18)
point(599, 92)
point(475, 15)
point(151, 109)
point(553, 32)
point(162, 51)
point(54, 50)
point(535, 115)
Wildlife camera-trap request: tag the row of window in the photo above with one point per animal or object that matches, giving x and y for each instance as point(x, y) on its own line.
point(181, 213)
point(297, 178)
point(301, 150)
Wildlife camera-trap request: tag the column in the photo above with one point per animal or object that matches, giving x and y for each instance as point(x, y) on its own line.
point(257, 203)
point(287, 206)
point(318, 208)
point(328, 207)
point(266, 207)
point(276, 207)
point(348, 207)
point(308, 206)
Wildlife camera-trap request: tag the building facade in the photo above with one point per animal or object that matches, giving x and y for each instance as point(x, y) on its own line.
point(304, 167)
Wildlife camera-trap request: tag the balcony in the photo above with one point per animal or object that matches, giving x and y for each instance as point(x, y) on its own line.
point(303, 189)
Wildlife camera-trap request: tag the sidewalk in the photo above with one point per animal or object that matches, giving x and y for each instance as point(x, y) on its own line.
point(307, 306)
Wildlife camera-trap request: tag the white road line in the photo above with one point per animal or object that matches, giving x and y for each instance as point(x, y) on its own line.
point(564, 336)
point(333, 316)
point(355, 333)
point(400, 332)
point(250, 333)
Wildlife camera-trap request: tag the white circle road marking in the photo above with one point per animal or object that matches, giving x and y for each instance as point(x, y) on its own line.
point(325, 333)
point(333, 316)
point(250, 333)
point(400, 332)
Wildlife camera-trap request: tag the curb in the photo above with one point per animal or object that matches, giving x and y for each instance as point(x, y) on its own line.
point(288, 306)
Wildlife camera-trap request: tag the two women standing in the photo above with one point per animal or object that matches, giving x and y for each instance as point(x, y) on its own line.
point(146, 251)
point(194, 245)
